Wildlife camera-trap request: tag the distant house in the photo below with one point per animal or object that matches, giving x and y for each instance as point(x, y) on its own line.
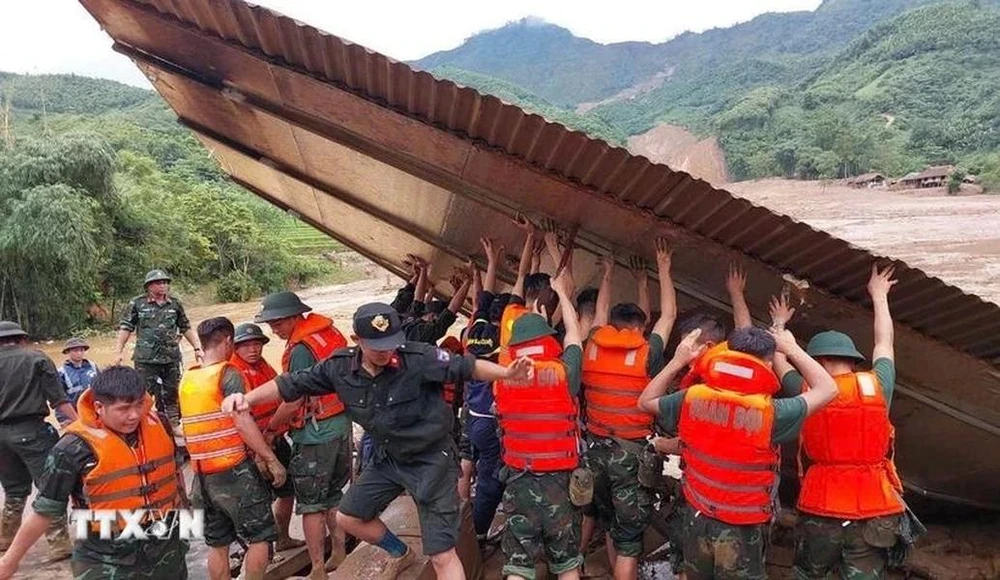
point(867, 181)
point(936, 176)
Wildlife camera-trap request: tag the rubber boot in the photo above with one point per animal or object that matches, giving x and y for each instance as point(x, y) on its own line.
point(10, 521)
point(60, 546)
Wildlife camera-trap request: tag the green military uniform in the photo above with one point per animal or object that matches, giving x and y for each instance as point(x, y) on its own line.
point(320, 464)
point(713, 548)
point(237, 501)
point(157, 354)
point(621, 505)
point(29, 385)
point(825, 544)
point(95, 559)
point(541, 519)
point(404, 411)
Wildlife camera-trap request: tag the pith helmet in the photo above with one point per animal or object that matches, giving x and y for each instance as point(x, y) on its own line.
point(8, 328)
point(529, 327)
point(280, 305)
point(75, 342)
point(833, 344)
point(155, 276)
point(249, 331)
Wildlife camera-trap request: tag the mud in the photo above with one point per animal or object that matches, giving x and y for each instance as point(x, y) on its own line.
point(682, 151)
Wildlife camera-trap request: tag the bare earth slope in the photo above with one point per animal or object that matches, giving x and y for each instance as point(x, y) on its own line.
point(956, 238)
point(682, 151)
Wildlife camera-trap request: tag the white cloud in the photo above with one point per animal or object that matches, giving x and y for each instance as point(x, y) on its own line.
point(48, 36)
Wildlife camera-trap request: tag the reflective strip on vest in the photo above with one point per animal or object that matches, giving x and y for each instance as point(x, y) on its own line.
point(714, 507)
point(727, 464)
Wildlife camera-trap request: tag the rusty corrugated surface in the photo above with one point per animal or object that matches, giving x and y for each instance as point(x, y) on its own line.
point(390, 160)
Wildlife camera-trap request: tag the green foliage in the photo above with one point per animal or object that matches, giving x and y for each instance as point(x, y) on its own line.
point(92, 198)
point(955, 181)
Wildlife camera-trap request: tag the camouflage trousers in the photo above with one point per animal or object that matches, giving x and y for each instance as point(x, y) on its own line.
point(160, 560)
point(721, 551)
point(237, 504)
point(162, 381)
point(825, 545)
point(621, 504)
point(541, 521)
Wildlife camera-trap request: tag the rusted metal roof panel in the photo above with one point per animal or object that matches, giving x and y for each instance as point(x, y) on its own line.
point(391, 161)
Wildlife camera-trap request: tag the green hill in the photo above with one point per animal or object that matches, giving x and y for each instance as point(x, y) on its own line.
point(856, 85)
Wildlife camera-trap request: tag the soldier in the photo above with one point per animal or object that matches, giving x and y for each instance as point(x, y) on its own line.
point(392, 388)
point(157, 318)
point(248, 346)
point(531, 292)
point(851, 528)
point(76, 373)
point(541, 447)
point(229, 485)
point(320, 431)
point(104, 461)
point(617, 365)
point(28, 380)
point(730, 428)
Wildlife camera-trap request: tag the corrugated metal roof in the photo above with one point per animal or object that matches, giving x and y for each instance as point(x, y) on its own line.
point(391, 160)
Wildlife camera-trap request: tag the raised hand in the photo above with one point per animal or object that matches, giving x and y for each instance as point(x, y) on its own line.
point(637, 266)
point(689, 349)
point(785, 342)
point(664, 253)
point(524, 224)
point(736, 281)
point(780, 311)
point(881, 282)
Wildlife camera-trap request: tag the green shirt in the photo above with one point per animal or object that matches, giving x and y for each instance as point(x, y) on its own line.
point(572, 357)
point(884, 369)
point(789, 414)
point(157, 328)
point(656, 360)
point(323, 430)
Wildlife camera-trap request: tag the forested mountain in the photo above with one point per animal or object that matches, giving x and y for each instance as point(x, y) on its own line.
point(99, 183)
point(856, 85)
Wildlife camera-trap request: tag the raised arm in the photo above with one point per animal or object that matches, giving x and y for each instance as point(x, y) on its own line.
point(781, 313)
point(638, 268)
point(525, 264)
point(461, 293)
point(736, 284)
point(878, 288)
point(419, 295)
point(561, 286)
point(687, 351)
point(603, 308)
point(492, 251)
point(822, 388)
point(668, 296)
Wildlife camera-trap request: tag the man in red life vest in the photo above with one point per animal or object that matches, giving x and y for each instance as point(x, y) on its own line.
point(730, 427)
point(618, 363)
point(541, 446)
point(320, 431)
point(249, 360)
point(850, 504)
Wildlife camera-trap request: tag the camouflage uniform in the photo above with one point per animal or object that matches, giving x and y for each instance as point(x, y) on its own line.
point(714, 549)
point(822, 543)
point(157, 354)
point(93, 558)
point(539, 516)
point(621, 504)
point(237, 504)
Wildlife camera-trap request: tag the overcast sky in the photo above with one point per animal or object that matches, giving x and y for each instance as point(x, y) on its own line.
point(59, 36)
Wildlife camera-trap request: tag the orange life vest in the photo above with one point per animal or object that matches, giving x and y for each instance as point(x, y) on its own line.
point(454, 346)
point(255, 376)
point(614, 375)
point(735, 371)
point(125, 477)
point(848, 442)
point(510, 314)
point(730, 464)
point(212, 439)
point(322, 339)
point(538, 417)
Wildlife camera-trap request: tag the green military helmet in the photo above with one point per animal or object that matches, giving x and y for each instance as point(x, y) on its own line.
point(155, 276)
point(280, 305)
point(831, 343)
point(8, 329)
point(249, 331)
point(529, 327)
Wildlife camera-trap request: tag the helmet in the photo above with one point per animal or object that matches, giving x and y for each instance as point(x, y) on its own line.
point(833, 344)
point(280, 305)
point(249, 331)
point(155, 276)
point(8, 328)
